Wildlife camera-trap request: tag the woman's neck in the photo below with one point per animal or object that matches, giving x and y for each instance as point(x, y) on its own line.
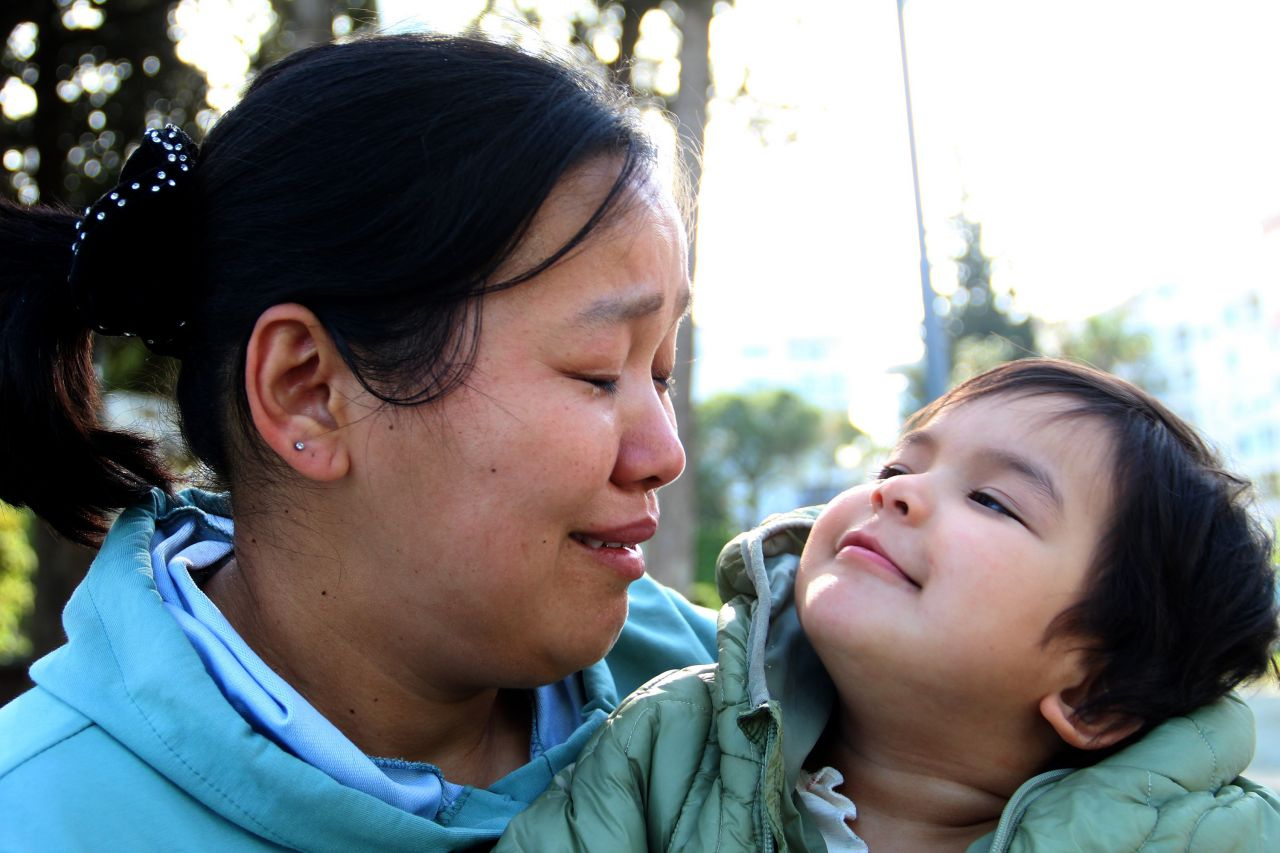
point(475, 735)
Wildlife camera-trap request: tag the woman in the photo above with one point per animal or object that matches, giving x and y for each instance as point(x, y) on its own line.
point(424, 293)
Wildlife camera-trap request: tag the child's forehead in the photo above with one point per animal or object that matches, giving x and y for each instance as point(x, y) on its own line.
point(1053, 426)
point(1004, 408)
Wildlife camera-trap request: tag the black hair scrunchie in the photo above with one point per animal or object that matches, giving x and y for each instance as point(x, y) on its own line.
point(132, 243)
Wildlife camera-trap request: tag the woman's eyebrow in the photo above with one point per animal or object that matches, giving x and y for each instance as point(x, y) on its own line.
point(610, 310)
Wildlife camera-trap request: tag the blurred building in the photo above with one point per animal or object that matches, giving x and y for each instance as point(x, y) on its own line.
point(1216, 348)
point(814, 367)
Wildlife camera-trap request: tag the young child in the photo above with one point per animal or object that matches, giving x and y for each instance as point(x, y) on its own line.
point(1021, 637)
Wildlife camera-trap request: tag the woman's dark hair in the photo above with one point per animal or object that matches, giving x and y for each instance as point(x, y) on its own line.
point(1180, 605)
point(382, 183)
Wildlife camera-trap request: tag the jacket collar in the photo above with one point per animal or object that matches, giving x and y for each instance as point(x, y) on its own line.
point(767, 652)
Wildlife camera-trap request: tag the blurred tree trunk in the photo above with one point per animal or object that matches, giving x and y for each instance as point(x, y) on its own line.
point(310, 21)
point(671, 553)
point(62, 566)
point(45, 129)
point(634, 10)
point(131, 31)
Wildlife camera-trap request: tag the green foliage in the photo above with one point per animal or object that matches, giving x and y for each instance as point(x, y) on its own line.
point(710, 537)
point(704, 593)
point(748, 442)
point(17, 595)
point(1107, 342)
point(971, 356)
point(976, 312)
point(980, 325)
point(752, 439)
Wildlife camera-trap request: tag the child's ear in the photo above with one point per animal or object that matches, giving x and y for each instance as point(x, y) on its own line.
point(1059, 709)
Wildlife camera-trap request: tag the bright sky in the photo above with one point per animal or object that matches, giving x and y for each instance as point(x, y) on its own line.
point(1105, 145)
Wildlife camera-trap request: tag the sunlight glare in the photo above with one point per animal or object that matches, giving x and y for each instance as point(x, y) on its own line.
point(17, 99)
point(220, 38)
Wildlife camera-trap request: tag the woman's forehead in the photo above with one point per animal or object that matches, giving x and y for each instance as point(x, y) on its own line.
point(583, 194)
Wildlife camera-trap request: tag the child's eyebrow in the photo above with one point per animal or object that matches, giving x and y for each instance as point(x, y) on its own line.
point(999, 458)
point(1025, 468)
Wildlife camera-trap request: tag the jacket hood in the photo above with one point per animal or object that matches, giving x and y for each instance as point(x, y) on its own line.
point(767, 654)
point(1177, 788)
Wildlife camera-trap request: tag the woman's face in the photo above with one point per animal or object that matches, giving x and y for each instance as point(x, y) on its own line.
point(504, 521)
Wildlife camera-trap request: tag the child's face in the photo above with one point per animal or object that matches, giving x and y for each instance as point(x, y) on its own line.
point(936, 585)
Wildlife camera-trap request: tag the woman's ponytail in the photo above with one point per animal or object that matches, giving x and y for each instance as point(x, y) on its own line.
point(55, 455)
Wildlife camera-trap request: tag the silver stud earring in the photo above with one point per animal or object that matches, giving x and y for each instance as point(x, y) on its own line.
point(298, 445)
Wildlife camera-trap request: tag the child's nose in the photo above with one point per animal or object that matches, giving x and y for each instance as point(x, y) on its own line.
point(904, 495)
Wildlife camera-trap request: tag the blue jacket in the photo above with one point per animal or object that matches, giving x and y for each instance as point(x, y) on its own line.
point(126, 743)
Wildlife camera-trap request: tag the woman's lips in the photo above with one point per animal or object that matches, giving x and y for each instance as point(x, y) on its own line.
point(618, 547)
point(863, 545)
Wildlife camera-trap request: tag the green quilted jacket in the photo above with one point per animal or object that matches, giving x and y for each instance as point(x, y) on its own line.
point(706, 758)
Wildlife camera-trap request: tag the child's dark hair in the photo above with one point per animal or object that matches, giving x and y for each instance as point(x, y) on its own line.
point(381, 183)
point(1181, 604)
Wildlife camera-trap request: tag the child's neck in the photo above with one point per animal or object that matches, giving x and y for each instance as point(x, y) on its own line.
point(912, 794)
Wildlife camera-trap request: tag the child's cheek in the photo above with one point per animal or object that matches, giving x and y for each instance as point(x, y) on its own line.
point(961, 544)
point(823, 602)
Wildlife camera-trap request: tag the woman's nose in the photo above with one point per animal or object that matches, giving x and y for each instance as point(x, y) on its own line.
point(650, 452)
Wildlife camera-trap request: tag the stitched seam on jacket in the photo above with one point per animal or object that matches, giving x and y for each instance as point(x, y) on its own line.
point(1155, 823)
point(1191, 836)
point(266, 831)
point(675, 830)
point(48, 747)
point(1216, 782)
point(651, 709)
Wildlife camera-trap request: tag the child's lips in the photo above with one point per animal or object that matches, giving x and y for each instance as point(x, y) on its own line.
point(871, 550)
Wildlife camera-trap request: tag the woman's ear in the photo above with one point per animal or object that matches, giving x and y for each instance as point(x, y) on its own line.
point(1059, 709)
point(298, 388)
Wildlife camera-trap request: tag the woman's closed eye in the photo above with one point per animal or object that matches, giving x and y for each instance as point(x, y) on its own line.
point(607, 384)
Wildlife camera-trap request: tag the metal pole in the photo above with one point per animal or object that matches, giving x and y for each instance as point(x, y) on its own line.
point(935, 352)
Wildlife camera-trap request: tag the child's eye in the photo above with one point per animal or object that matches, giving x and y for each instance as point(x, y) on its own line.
point(986, 500)
point(890, 471)
point(665, 382)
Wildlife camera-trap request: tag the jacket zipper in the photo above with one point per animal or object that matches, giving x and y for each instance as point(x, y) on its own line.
point(766, 833)
point(1018, 805)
